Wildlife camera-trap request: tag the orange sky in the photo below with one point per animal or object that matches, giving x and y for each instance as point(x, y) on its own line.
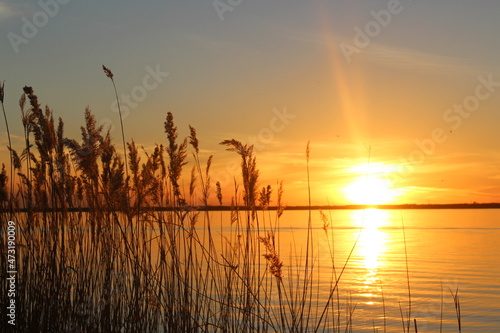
point(403, 97)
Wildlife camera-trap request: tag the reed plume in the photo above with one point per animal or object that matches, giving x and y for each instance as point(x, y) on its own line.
point(249, 170)
point(265, 197)
point(86, 156)
point(272, 256)
point(204, 177)
point(110, 75)
point(4, 194)
point(219, 192)
point(177, 155)
point(2, 86)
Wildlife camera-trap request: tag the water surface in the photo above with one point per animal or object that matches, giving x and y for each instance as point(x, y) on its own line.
point(438, 251)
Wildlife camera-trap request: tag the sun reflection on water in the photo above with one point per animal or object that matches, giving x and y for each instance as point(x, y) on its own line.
point(372, 244)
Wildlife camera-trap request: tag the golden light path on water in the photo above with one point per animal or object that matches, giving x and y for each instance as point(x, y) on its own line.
point(393, 262)
point(371, 245)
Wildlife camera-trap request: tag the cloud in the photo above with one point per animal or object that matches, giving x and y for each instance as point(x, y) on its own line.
point(391, 56)
point(5, 11)
point(404, 58)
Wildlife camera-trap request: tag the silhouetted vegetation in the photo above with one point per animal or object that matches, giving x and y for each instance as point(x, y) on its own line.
point(103, 249)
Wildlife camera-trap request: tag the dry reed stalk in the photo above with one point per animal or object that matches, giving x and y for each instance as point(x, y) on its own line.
point(11, 179)
point(458, 312)
point(408, 323)
point(110, 75)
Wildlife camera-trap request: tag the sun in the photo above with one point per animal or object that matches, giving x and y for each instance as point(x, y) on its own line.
point(371, 188)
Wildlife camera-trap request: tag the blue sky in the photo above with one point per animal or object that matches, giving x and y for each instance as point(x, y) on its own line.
point(233, 66)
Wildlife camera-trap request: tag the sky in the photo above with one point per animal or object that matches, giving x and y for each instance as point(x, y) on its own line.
point(399, 100)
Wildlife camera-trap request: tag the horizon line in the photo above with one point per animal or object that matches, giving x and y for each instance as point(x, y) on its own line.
point(474, 205)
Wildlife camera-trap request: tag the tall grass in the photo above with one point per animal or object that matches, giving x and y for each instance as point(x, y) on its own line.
point(3, 195)
point(100, 250)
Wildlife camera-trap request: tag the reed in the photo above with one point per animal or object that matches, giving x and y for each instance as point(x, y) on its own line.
point(4, 195)
point(458, 312)
point(96, 254)
point(406, 328)
point(109, 74)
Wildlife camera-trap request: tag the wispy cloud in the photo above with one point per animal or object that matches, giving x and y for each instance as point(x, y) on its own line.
point(6, 11)
point(401, 58)
point(392, 56)
point(426, 189)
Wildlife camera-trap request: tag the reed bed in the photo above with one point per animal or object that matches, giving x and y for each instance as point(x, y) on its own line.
point(112, 245)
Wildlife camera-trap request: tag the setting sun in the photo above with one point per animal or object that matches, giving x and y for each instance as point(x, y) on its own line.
point(370, 188)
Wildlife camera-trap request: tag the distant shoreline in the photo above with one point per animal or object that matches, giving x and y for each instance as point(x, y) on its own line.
point(493, 205)
point(357, 207)
point(405, 206)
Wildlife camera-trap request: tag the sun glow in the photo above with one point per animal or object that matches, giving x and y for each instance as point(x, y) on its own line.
point(370, 187)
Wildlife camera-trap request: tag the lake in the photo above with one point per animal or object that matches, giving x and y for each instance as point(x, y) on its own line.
point(382, 258)
point(446, 250)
